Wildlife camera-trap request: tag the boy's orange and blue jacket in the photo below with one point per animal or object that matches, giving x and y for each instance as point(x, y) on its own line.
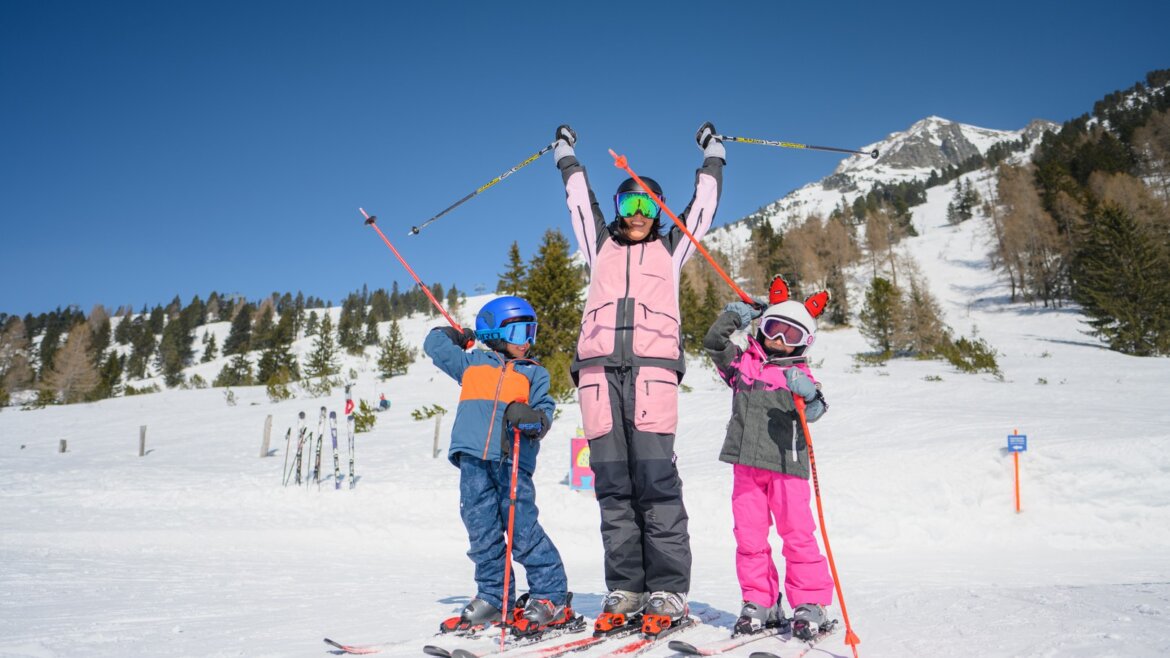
point(489, 382)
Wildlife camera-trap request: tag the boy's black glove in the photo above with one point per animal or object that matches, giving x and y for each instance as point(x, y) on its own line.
point(529, 421)
point(464, 339)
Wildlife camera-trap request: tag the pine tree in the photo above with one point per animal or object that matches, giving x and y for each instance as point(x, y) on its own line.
point(395, 355)
point(239, 339)
point(554, 287)
point(209, 349)
point(175, 351)
point(237, 372)
point(513, 280)
point(16, 372)
point(1122, 275)
point(880, 318)
point(109, 377)
point(322, 361)
point(278, 360)
point(692, 329)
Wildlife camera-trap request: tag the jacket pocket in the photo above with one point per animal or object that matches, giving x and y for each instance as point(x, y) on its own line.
point(598, 326)
point(656, 400)
point(655, 333)
point(593, 395)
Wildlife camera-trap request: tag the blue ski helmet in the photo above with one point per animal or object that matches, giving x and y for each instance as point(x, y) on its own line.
point(504, 311)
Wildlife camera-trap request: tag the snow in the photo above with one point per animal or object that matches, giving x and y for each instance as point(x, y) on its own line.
point(197, 550)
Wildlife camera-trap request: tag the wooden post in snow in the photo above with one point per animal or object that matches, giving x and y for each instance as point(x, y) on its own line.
point(141, 440)
point(61, 448)
point(438, 426)
point(267, 436)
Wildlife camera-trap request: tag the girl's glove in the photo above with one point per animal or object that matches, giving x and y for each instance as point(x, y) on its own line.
point(565, 140)
point(814, 402)
point(712, 147)
point(744, 311)
point(464, 339)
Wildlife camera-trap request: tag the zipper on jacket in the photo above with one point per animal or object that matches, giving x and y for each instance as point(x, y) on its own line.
point(487, 444)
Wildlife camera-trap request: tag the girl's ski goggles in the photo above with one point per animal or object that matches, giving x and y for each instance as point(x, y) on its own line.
point(631, 203)
point(516, 333)
point(790, 333)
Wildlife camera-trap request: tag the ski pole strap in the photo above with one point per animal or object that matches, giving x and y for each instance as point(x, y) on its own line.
point(371, 220)
point(620, 162)
point(793, 145)
point(532, 158)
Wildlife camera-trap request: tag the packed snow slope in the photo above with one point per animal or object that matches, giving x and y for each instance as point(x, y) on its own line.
point(195, 549)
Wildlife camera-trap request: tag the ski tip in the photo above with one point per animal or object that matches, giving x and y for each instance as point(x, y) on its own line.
point(439, 652)
point(683, 647)
point(763, 654)
point(462, 653)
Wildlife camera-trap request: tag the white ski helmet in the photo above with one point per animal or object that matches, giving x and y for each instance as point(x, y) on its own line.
point(791, 321)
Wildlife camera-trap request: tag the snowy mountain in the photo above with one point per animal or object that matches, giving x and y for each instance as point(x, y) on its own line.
point(932, 144)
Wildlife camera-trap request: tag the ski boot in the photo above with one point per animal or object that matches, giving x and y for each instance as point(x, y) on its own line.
point(807, 620)
point(754, 618)
point(622, 608)
point(664, 610)
point(540, 615)
point(476, 616)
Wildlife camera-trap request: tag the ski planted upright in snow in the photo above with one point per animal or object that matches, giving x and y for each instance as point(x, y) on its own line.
point(336, 462)
point(320, 439)
point(349, 429)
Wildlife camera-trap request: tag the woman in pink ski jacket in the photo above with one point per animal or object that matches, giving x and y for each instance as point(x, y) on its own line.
point(627, 366)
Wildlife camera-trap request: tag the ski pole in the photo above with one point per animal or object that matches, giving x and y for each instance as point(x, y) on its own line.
point(850, 637)
point(532, 158)
point(511, 527)
point(619, 161)
point(371, 220)
point(793, 145)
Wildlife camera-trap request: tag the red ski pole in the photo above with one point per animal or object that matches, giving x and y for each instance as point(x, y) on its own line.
point(850, 637)
point(371, 220)
point(619, 161)
point(511, 527)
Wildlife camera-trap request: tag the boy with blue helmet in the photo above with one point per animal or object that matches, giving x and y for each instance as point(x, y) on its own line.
point(502, 391)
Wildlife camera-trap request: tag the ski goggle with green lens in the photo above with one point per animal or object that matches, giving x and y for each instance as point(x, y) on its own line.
point(629, 204)
point(516, 333)
point(790, 333)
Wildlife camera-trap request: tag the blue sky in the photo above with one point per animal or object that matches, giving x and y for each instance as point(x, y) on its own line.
point(153, 149)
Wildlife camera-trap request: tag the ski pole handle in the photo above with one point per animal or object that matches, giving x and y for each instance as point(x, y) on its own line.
point(793, 145)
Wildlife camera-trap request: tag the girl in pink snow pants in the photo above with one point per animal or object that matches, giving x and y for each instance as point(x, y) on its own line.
point(768, 449)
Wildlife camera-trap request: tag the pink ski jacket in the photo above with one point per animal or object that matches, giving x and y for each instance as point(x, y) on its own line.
point(631, 312)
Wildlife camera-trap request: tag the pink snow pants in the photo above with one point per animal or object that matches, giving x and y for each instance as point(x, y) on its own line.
point(757, 497)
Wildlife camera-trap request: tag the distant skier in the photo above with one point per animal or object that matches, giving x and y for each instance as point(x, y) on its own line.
point(627, 367)
point(767, 446)
point(383, 403)
point(502, 390)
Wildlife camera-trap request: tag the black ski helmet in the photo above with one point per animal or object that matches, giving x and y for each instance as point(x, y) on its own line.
point(631, 185)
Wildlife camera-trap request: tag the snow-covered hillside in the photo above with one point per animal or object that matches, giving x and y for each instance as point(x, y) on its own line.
point(197, 550)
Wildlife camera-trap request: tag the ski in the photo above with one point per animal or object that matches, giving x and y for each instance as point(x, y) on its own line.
point(644, 643)
point(336, 462)
point(531, 651)
point(805, 645)
point(300, 447)
point(722, 646)
point(320, 437)
point(359, 649)
point(349, 430)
